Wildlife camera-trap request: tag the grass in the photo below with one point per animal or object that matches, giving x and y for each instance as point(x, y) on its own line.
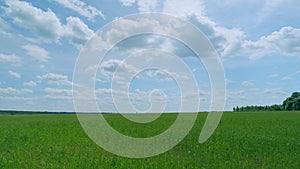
point(242, 140)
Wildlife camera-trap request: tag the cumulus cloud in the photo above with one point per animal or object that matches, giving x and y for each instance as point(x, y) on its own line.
point(43, 24)
point(5, 28)
point(277, 91)
point(143, 5)
point(57, 93)
point(57, 79)
point(46, 26)
point(269, 7)
point(159, 74)
point(147, 5)
point(227, 41)
point(77, 31)
point(231, 42)
point(81, 8)
point(38, 53)
point(165, 75)
point(14, 74)
point(273, 75)
point(235, 94)
point(290, 76)
point(13, 91)
point(184, 8)
point(286, 42)
point(29, 84)
point(11, 59)
point(248, 83)
point(109, 67)
point(127, 2)
point(139, 100)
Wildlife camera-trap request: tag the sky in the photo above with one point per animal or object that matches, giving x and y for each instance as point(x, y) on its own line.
point(258, 42)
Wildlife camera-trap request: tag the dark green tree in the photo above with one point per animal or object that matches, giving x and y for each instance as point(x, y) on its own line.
point(289, 104)
point(296, 105)
point(295, 95)
point(293, 102)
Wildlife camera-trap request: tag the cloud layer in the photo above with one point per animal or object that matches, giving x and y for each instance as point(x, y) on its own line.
point(46, 26)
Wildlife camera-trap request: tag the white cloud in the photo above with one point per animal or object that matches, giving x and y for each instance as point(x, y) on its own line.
point(109, 67)
point(184, 8)
point(56, 93)
point(139, 100)
point(82, 8)
point(15, 98)
point(159, 75)
point(143, 5)
point(226, 41)
point(57, 79)
point(290, 76)
point(5, 28)
point(12, 59)
point(231, 42)
point(277, 91)
point(58, 97)
point(269, 7)
point(273, 75)
point(13, 91)
point(286, 42)
point(228, 81)
point(147, 5)
point(29, 84)
point(46, 26)
point(248, 83)
point(77, 31)
point(43, 24)
point(14, 74)
point(235, 94)
point(165, 75)
point(127, 2)
point(38, 53)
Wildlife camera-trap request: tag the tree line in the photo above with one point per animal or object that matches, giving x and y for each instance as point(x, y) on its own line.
point(289, 104)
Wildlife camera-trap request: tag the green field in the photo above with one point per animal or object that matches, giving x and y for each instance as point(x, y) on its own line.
point(242, 140)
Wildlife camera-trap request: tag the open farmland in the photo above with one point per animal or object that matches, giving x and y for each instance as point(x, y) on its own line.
point(242, 140)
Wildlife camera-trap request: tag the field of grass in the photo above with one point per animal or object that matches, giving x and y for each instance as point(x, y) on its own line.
point(242, 140)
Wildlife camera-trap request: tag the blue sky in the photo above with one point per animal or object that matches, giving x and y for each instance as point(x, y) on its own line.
point(258, 42)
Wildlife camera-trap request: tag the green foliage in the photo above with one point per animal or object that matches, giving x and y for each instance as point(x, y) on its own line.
point(274, 107)
point(291, 103)
point(242, 140)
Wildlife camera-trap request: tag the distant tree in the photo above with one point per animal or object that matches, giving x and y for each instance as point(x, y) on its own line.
point(289, 104)
point(295, 95)
point(296, 105)
point(235, 109)
point(276, 107)
point(293, 102)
